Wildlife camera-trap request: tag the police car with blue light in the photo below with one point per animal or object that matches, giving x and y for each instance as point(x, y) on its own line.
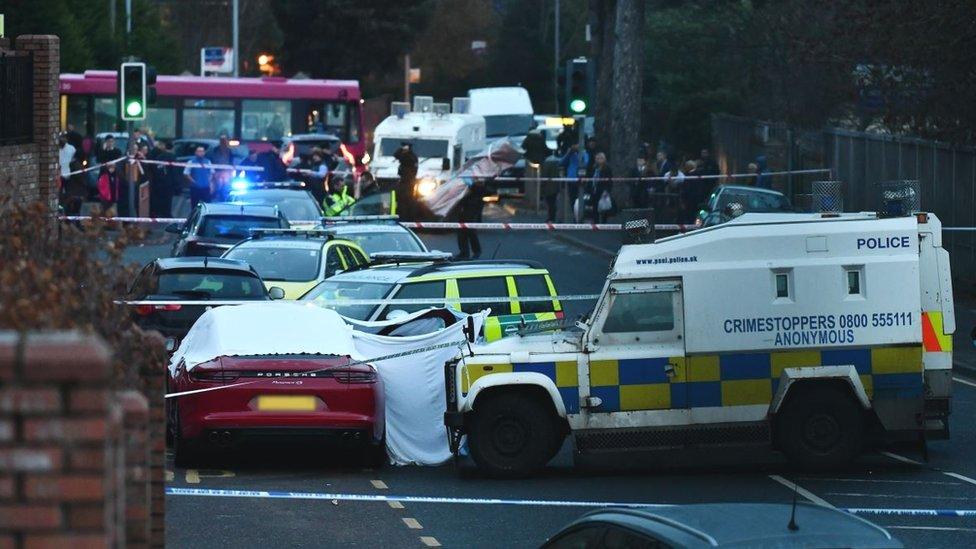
point(837, 337)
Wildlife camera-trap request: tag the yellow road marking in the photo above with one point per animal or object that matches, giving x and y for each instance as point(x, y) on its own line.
point(379, 484)
point(395, 504)
point(430, 541)
point(169, 476)
point(192, 476)
point(412, 523)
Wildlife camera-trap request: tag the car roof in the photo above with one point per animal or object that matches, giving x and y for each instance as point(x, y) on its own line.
point(231, 208)
point(312, 137)
point(240, 196)
point(292, 242)
point(360, 228)
point(747, 525)
point(168, 263)
point(746, 188)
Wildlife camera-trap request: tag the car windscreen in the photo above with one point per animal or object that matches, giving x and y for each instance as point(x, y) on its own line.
point(385, 242)
point(275, 263)
point(300, 207)
point(209, 284)
point(338, 290)
point(235, 226)
point(423, 148)
point(755, 201)
point(304, 147)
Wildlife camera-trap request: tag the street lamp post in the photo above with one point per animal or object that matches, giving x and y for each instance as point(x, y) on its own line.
point(235, 15)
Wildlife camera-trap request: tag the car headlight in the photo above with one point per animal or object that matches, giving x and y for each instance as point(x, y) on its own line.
point(426, 186)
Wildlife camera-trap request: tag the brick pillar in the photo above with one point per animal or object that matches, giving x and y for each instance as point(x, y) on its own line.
point(154, 378)
point(58, 484)
point(47, 110)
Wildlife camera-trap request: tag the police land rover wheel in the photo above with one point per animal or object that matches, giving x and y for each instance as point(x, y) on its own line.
point(511, 435)
point(821, 428)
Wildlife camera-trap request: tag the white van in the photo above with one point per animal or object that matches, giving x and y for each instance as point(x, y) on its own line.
point(507, 110)
point(442, 140)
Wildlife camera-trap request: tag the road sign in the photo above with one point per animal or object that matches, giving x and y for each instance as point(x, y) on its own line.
point(216, 59)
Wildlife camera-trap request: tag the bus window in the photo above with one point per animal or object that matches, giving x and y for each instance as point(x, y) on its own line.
point(77, 114)
point(160, 119)
point(106, 114)
point(354, 125)
point(328, 117)
point(207, 118)
point(265, 120)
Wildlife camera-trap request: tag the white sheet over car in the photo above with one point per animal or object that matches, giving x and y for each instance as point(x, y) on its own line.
point(414, 384)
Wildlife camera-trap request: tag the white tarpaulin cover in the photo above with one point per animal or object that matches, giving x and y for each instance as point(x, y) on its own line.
point(414, 384)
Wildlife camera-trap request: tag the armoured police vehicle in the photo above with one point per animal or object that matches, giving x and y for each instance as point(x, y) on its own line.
point(816, 334)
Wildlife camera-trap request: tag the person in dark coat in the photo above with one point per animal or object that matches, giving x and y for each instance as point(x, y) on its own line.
point(640, 191)
point(161, 189)
point(406, 206)
point(274, 167)
point(470, 207)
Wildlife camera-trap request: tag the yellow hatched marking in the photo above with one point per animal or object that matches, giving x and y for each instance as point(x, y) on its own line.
point(604, 373)
point(652, 396)
point(169, 476)
point(896, 360)
point(395, 504)
point(742, 392)
point(566, 374)
point(379, 484)
point(192, 476)
point(430, 541)
point(792, 359)
point(412, 523)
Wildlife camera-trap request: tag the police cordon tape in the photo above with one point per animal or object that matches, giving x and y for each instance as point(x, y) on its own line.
point(506, 179)
point(338, 496)
point(378, 301)
point(417, 224)
point(179, 164)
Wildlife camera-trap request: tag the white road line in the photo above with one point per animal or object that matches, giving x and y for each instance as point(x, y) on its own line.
point(430, 541)
point(963, 381)
point(938, 528)
point(960, 477)
point(802, 491)
point(878, 480)
point(395, 504)
point(412, 523)
point(379, 484)
point(902, 459)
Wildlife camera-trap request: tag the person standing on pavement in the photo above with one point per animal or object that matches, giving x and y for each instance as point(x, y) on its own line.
point(640, 191)
point(408, 175)
point(550, 188)
point(536, 152)
point(319, 180)
point(110, 191)
point(222, 155)
point(274, 166)
point(471, 206)
point(592, 149)
point(66, 153)
point(160, 181)
point(599, 187)
point(571, 163)
point(108, 152)
point(251, 161)
point(72, 189)
point(199, 174)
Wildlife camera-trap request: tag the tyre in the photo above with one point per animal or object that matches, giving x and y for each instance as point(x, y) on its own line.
point(820, 428)
point(512, 435)
point(186, 453)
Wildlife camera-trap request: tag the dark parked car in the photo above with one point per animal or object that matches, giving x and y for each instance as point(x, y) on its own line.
point(211, 229)
point(751, 200)
point(191, 279)
point(721, 525)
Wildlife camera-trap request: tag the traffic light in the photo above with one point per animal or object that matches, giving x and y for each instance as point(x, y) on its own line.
point(578, 86)
point(132, 90)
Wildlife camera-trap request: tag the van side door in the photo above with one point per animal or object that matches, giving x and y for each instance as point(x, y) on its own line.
point(634, 350)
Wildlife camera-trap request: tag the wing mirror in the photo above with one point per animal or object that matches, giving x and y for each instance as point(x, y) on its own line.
point(175, 228)
point(172, 344)
point(276, 293)
point(469, 329)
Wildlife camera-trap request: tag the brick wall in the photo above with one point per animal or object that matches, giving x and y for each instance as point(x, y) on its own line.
point(74, 453)
point(32, 169)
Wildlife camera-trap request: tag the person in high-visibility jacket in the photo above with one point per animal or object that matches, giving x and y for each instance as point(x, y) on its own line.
point(334, 203)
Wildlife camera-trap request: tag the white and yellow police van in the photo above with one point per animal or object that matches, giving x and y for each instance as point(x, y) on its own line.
point(816, 334)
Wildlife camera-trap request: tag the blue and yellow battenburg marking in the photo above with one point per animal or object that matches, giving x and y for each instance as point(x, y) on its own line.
point(735, 379)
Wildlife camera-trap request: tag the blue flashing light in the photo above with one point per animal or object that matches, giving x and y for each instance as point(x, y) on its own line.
point(239, 185)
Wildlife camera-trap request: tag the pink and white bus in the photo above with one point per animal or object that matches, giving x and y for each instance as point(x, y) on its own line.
point(252, 110)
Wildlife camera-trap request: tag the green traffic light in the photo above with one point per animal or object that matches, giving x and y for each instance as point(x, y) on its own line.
point(134, 108)
point(577, 105)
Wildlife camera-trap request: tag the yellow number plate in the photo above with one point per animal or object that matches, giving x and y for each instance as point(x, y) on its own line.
point(269, 403)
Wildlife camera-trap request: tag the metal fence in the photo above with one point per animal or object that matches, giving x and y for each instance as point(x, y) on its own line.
point(863, 162)
point(16, 98)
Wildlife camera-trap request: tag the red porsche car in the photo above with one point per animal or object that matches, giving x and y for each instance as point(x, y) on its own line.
point(311, 397)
